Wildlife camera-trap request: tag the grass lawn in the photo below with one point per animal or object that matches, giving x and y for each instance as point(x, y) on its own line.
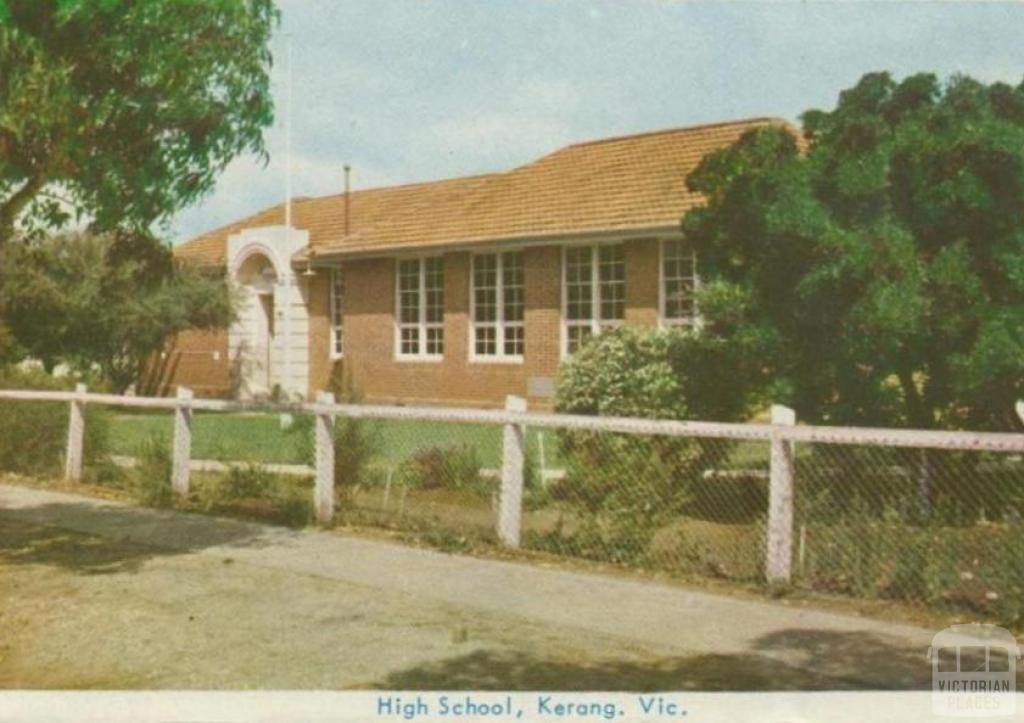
point(227, 437)
point(260, 438)
point(234, 437)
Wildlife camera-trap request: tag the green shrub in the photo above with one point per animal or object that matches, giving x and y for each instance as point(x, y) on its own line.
point(251, 480)
point(620, 498)
point(1005, 576)
point(33, 435)
point(626, 486)
point(253, 491)
point(455, 466)
point(356, 443)
point(951, 486)
point(294, 504)
point(149, 481)
point(238, 483)
point(656, 374)
point(978, 569)
point(536, 492)
point(727, 552)
point(624, 372)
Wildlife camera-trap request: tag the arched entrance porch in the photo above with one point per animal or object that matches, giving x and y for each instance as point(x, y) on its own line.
point(256, 356)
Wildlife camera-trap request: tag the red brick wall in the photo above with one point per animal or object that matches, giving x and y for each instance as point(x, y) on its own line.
point(642, 282)
point(197, 360)
point(370, 366)
point(376, 375)
point(320, 362)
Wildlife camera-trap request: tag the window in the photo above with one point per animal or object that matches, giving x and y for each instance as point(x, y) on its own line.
point(678, 284)
point(497, 300)
point(421, 307)
point(595, 291)
point(337, 313)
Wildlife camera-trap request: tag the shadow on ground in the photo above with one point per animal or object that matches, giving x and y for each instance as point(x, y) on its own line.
point(36, 536)
point(507, 670)
point(882, 662)
point(787, 660)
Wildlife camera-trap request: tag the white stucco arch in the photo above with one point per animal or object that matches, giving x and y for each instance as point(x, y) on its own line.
point(269, 342)
point(247, 252)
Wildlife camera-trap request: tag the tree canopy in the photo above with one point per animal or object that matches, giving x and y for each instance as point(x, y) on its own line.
point(109, 301)
point(877, 263)
point(121, 113)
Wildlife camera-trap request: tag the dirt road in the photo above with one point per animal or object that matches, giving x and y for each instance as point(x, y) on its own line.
point(98, 595)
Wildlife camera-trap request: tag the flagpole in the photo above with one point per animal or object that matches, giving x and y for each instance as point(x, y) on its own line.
point(286, 344)
point(288, 141)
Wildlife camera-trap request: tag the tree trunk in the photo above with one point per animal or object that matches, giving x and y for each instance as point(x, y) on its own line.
point(13, 206)
point(919, 418)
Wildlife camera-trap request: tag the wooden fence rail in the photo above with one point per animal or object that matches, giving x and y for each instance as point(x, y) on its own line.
point(782, 434)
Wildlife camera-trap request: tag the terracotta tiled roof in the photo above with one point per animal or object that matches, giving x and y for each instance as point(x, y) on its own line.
point(632, 182)
point(324, 217)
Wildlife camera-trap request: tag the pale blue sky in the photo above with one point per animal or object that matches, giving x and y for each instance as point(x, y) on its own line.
point(409, 90)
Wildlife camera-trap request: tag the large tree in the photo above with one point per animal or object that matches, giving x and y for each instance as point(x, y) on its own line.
point(106, 302)
point(122, 112)
point(879, 263)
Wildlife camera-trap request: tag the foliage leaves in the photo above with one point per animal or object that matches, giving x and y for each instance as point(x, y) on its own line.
point(33, 435)
point(626, 486)
point(106, 301)
point(673, 374)
point(880, 272)
point(121, 113)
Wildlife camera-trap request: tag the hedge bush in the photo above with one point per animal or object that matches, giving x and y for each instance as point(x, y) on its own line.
point(455, 466)
point(33, 435)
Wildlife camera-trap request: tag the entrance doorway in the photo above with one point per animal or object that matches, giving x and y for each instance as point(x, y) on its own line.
point(264, 340)
point(255, 363)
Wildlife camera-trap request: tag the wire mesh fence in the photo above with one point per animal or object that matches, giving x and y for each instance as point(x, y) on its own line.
point(921, 518)
point(670, 503)
point(938, 527)
point(437, 480)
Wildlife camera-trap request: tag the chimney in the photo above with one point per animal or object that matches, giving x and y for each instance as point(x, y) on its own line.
point(348, 205)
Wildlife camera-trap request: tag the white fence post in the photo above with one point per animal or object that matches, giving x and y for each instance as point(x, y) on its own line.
point(510, 502)
point(324, 440)
point(182, 449)
point(779, 552)
point(76, 436)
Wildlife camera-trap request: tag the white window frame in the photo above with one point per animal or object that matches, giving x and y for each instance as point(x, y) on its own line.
point(595, 322)
point(336, 308)
point(422, 324)
point(664, 322)
point(499, 324)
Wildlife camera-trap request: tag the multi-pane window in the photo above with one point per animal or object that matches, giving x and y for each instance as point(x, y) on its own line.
point(595, 291)
point(337, 312)
point(679, 284)
point(498, 305)
point(421, 307)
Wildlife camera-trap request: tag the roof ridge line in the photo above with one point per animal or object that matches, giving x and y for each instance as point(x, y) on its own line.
point(410, 184)
point(679, 129)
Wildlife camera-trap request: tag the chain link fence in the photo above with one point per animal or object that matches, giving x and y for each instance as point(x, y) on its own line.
point(931, 526)
point(437, 481)
point(928, 519)
point(680, 504)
